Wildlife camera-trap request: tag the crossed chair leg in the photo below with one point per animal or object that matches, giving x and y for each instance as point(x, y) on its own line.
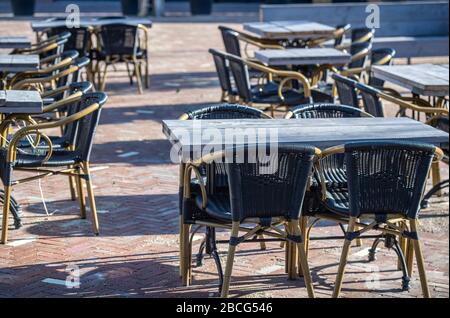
point(80, 172)
point(413, 242)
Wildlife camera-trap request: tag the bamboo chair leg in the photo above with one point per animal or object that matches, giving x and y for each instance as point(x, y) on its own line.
point(130, 75)
point(262, 245)
point(303, 223)
point(358, 241)
point(81, 197)
point(92, 205)
point(410, 257)
point(343, 261)
point(230, 260)
point(6, 203)
point(72, 186)
point(102, 83)
point(138, 77)
point(303, 261)
point(181, 248)
point(147, 74)
point(403, 243)
point(420, 261)
point(185, 266)
point(291, 251)
point(436, 174)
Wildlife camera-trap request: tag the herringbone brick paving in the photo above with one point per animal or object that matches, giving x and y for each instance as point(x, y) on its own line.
point(136, 253)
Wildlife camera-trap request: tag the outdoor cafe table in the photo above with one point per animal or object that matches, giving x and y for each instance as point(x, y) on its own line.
point(20, 102)
point(18, 63)
point(420, 79)
point(14, 42)
point(321, 133)
point(303, 56)
point(40, 26)
point(289, 30)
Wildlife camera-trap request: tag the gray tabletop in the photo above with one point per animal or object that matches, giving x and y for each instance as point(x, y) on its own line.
point(303, 56)
point(85, 22)
point(289, 30)
point(20, 102)
point(18, 62)
point(422, 79)
point(14, 42)
point(321, 133)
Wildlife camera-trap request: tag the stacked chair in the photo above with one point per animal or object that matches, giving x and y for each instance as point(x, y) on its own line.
point(70, 108)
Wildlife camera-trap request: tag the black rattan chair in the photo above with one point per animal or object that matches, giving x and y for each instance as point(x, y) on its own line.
point(383, 56)
point(45, 163)
point(267, 195)
point(223, 73)
point(122, 43)
point(371, 101)
point(79, 40)
point(219, 180)
point(386, 181)
point(346, 89)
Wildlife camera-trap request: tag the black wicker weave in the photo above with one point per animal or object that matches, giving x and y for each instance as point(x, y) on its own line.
point(346, 89)
point(79, 40)
point(258, 191)
point(387, 177)
point(376, 56)
point(230, 40)
point(359, 33)
point(358, 48)
point(372, 103)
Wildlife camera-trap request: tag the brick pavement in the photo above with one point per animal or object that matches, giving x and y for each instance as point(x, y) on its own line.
point(136, 253)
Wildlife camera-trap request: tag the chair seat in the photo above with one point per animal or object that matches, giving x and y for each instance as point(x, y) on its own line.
point(292, 98)
point(101, 56)
point(218, 206)
point(267, 89)
point(337, 201)
point(58, 159)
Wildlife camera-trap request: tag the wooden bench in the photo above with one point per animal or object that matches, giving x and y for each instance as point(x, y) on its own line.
point(413, 29)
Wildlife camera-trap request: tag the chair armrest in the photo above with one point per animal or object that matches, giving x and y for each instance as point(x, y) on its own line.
point(36, 129)
point(187, 184)
point(407, 105)
point(283, 74)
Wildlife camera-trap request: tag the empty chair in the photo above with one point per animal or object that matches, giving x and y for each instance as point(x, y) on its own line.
point(346, 89)
point(261, 194)
point(223, 73)
point(371, 101)
point(216, 181)
point(383, 56)
point(80, 39)
point(122, 43)
point(45, 163)
point(386, 181)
